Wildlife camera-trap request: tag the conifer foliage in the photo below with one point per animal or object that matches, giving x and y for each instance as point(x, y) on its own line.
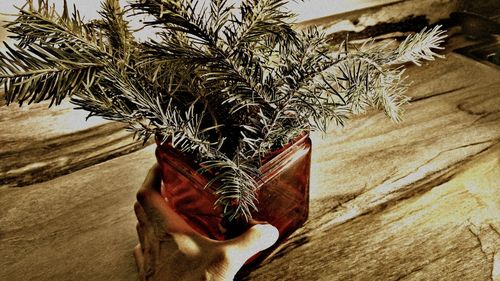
point(225, 83)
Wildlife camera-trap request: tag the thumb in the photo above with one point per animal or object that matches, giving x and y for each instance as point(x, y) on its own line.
point(259, 237)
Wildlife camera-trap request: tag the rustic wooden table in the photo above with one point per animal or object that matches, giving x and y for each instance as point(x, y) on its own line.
point(419, 200)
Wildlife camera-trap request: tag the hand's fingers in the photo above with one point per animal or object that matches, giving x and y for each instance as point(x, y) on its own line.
point(141, 222)
point(156, 209)
point(259, 237)
point(139, 259)
point(142, 219)
point(152, 182)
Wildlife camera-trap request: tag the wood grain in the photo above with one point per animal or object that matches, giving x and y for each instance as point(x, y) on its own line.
point(417, 200)
point(354, 231)
point(79, 226)
point(39, 144)
point(450, 232)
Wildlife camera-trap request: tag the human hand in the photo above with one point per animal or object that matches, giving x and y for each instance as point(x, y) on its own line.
point(170, 249)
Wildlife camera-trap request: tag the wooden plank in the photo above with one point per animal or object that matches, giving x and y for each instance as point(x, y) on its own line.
point(370, 164)
point(395, 12)
point(451, 232)
point(76, 227)
point(314, 9)
point(387, 200)
point(39, 144)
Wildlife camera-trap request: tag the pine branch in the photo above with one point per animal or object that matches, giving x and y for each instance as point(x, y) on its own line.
point(220, 15)
point(389, 93)
point(259, 19)
point(237, 186)
point(117, 31)
point(43, 25)
point(420, 46)
point(57, 55)
point(41, 73)
point(180, 17)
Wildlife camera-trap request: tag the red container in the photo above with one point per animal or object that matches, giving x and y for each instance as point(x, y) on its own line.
point(283, 195)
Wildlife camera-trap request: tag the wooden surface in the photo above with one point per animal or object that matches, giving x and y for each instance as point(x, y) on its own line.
point(417, 200)
point(38, 144)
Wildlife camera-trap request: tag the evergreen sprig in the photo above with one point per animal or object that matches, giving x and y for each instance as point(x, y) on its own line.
point(224, 83)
